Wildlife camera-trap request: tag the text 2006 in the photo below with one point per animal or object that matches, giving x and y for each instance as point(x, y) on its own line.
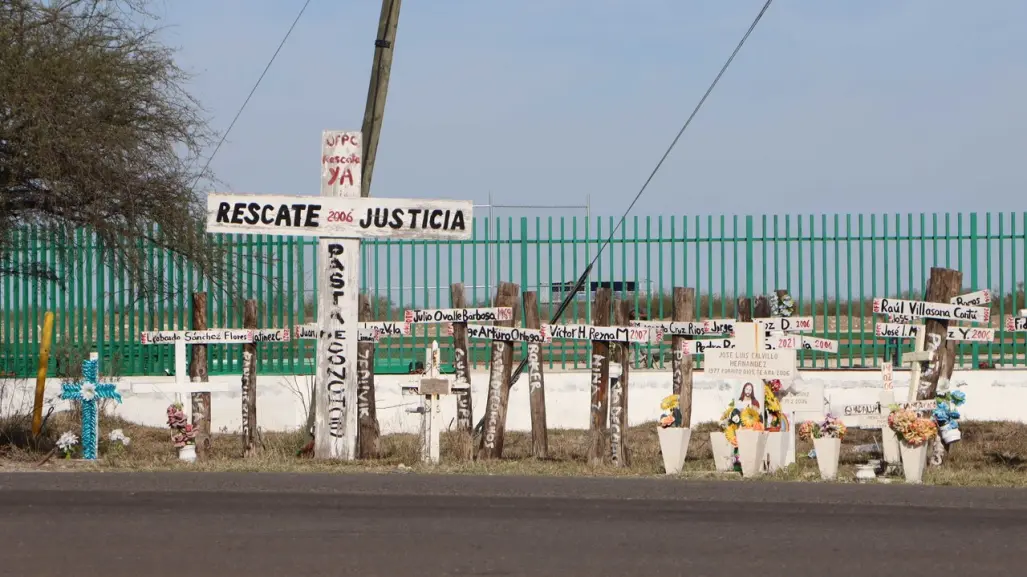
point(340, 216)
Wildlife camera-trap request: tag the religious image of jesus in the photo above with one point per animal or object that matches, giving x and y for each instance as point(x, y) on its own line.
point(748, 397)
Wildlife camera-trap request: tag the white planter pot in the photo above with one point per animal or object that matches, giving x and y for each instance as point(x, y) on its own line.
point(752, 446)
point(828, 451)
point(914, 461)
point(674, 446)
point(949, 436)
point(723, 452)
point(776, 454)
point(187, 453)
point(865, 473)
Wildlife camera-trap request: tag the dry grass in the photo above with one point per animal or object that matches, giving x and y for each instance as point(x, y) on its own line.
point(992, 453)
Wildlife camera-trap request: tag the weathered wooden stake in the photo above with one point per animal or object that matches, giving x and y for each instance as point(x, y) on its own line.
point(249, 380)
point(491, 446)
point(682, 364)
point(761, 308)
point(743, 310)
point(600, 364)
point(536, 381)
point(619, 453)
point(942, 285)
point(462, 367)
point(198, 374)
point(368, 430)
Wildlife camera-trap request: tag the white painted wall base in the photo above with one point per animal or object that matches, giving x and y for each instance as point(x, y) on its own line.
point(991, 395)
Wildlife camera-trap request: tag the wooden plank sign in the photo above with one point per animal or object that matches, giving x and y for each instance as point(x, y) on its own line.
point(896, 330)
point(341, 216)
point(509, 334)
point(719, 326)
point(368, 332)
point(210, 336)
point(600, 333)
point(473, 315)
point(271, 336)
point(785, 324)
point(700, 346)
point(1016, 324)
point(974, 299)
point(784, 342)
point(923, 309)
point(974, 334)
point(740, 364)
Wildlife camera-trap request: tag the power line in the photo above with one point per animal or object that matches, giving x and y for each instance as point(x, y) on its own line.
point(584, 275)
point(252, 90)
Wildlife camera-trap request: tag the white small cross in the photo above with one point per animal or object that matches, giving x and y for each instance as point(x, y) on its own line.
point(914, 359)
point(431, 387)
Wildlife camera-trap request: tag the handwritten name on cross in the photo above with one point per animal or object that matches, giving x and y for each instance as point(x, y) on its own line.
point(88, 392)
point(431, 388)
point(340, 217)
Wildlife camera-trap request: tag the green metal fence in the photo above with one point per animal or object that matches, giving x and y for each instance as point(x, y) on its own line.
point(833, 265)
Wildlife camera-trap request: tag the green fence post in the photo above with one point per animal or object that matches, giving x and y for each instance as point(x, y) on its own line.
point(748, 257)
point(973, 276)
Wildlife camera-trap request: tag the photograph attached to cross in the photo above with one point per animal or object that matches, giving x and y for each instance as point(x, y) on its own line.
point(339, 218)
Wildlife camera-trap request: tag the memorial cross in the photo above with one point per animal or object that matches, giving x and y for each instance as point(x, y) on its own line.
point(88, 391)
point(431, 387)
point(340, 218)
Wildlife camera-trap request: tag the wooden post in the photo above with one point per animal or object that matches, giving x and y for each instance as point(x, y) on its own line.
point(381, 68)
point(249, 380)
point(619, 454)
point(761, 307)
point(368, 430)
point(536, 381)
point(198, 374)
point(44, 364)
point(942, 286)
point(682, 364)
point(501, 360)
point(743, 310)
point(600, 380)
point(461, 364)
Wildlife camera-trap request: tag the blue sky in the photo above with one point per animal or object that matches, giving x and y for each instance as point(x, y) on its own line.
point(869, 106)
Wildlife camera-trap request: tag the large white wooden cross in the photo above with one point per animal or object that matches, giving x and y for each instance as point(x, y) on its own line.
point(340, 217)
point(431, 387)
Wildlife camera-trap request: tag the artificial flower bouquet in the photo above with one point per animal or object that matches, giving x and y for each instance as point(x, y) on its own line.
point(830, 427)
point(184, 434)
point(730, 421)
point(910, 428)
point(66, 443)
point(946, 414)
point(671, 416)
point(776, 419)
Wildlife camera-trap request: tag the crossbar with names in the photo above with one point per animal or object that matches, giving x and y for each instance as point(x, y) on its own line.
point(905, 331)
point(924, 309)
point(509, 334)
point(785, 324)
point(466, 315)
point(600, 333)
point(368, 332)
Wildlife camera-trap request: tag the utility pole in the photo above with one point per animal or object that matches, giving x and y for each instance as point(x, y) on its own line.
point(384, 45)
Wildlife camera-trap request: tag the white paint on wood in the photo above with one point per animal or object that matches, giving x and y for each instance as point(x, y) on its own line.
point(785, 324)
point(785, 342)
point(216, 336)
point(499, 333)
point(974, 299)
point(431, 406)
point(340, 216)
point(1017, 324)
point(700, 346)
point(923, 309)
point(896, 330)
point(272, 336)
point(888, 376)
point(739, 364)
point(472, 315)
point(599, 333)
point(973, 334)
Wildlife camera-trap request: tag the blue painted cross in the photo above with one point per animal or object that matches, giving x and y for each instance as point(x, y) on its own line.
point(88, 392)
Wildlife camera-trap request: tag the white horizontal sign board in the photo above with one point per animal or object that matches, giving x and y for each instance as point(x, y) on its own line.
point(875, 416)
point(896, 330)
point(700, 346)
point(212, 336)
point(719, 326)
point(1016, 324)
point(479, 315)
point(971, 334)
point(786, 324)
point(673, 328)
point(974, 299)
point(271, 336)
point(595, 333)
point(736, 364)
point(513, 334)
point(369, 332)
point(339, 216)
point(924, 309)
point(801, 342)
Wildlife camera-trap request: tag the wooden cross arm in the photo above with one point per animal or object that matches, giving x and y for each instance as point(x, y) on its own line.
point(919, 357)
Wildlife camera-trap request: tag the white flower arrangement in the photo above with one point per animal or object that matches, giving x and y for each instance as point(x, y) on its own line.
point(118, 436)
point(783, 307)
point(66, 443)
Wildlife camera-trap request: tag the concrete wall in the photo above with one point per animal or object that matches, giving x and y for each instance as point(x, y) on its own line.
point(991, 395)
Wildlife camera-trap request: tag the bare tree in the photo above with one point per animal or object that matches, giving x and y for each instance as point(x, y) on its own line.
point(98, 132)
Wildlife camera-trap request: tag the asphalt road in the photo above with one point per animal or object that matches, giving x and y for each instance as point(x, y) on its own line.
point(399, 525)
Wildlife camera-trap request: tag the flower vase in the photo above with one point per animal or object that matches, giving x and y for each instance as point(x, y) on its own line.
point(187, 453)
point(776, 453)
point(828, 450)
point(752, 445)
point(914, 461)
point(950, 434)
point(674, 446)
point(890, 446)
point(723, 452)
